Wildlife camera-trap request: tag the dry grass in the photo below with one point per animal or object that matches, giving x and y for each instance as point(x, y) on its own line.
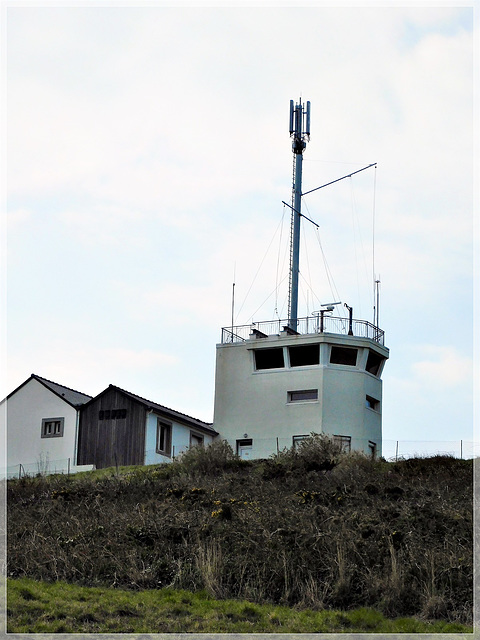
point(309, 528)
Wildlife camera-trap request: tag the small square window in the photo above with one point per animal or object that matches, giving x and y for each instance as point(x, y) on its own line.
point(345, 442)
point(52, 427)
point(372, 403)
point(196, 439)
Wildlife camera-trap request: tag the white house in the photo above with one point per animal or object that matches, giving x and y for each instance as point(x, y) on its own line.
point(52, 428)
point(42, 419)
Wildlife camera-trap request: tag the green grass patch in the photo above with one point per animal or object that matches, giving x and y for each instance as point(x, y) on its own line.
point(310, 528)
point(40, 607)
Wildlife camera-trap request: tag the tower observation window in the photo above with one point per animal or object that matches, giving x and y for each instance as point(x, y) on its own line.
point(269, 358)
point(343, 355)
point(303, 355)
point(374, 362)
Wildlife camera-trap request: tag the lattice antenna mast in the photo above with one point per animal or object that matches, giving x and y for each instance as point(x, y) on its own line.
point(300, 134)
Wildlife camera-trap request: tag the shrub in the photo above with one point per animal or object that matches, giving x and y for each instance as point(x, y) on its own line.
point(211, 460)
point(318, 452)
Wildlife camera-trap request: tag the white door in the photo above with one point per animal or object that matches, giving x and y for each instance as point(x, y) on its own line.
point(245, 451)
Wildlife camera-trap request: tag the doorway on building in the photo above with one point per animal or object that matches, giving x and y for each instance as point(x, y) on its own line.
point(244, 448)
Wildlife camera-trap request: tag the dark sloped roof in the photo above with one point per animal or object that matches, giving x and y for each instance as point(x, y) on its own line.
point(75, 398)
point(159, 408)
point(72, 397)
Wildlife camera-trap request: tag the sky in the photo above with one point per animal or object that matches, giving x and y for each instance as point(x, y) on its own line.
point(147, 158)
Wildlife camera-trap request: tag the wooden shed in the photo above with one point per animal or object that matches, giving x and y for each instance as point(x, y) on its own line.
point(120, 428)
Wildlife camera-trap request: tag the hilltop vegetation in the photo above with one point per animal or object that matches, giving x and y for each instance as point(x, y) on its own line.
point(311, 528)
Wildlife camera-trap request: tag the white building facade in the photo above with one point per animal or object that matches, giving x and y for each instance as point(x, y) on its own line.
point(41, 419)
point(273, 389)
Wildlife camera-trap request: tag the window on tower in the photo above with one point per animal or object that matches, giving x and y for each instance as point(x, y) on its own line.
point(304, 355)
point(304, 395)
point(343, 355)
point(374, 362)
point(372, 403)
point(345, 442)
point(269, 358)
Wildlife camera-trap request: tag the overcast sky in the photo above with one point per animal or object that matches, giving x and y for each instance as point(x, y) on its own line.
point(148, 157)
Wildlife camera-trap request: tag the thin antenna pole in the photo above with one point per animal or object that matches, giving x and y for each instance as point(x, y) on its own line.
point(374, 164)
point(299, 135)
point(233, 299)
point(373, 241)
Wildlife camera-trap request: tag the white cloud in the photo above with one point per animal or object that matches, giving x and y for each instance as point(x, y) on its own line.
point(443, 367)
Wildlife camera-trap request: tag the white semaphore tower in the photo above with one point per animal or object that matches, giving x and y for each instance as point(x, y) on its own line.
point(278, 381)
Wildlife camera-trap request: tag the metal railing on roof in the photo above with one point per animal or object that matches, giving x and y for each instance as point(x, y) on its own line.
point(305, 326)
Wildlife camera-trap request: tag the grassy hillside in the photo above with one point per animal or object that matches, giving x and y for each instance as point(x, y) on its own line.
point(310, 529)
point(40, 607)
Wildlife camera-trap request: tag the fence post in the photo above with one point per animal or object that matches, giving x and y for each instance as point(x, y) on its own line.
point(461, 449)
point(396, 453)
point(278, 450)
point(68, 468)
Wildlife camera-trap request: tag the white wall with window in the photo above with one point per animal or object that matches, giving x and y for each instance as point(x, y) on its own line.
point(42, 429)
point(275, 389)
point(166, 438)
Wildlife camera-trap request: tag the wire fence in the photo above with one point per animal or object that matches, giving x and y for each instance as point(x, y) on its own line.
point(388, 449)
point(43, 467)
point(395, 449)
point(266, 447)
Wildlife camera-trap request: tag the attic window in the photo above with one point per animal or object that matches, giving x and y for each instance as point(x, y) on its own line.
point(307, 395)
point(304, 355)
point(52, 427)
point(343, 355)
point(374, 362)
point(269, 358)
